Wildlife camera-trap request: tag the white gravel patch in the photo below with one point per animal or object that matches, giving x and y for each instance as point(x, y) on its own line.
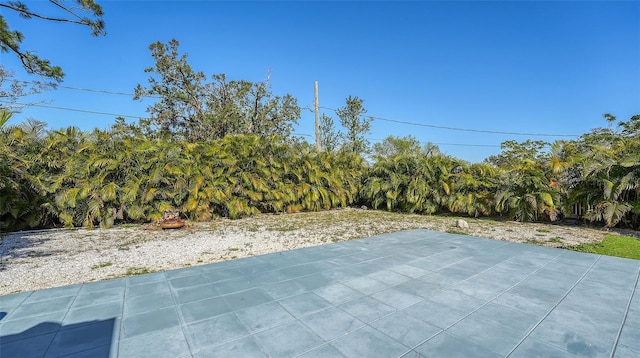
point(49, 258)
point(40, 259)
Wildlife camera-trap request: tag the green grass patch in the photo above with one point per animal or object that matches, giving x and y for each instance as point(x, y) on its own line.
point(133, 271)
point(125, 245)
point(543, 230)
point(612, 245)
point(557, 240)
point(101, 265)
point(456, 232)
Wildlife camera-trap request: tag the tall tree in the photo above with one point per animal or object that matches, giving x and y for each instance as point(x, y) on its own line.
point(181, 90)
point(514, 153)
point(195, 109)
point(356, 125)
point(329, 136)
point(392, 146)
point(83, 12)
point(269, 114)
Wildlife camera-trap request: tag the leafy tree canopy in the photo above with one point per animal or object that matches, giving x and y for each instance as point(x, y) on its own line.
point(83, 12)
point(356, 125)
point(329, 136)
point(515, 153)
point(194, 109)
point(393, 146)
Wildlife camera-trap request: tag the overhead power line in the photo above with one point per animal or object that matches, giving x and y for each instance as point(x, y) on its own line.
point(299, 134)
point(437, 143)
point(456, 144)
point(72, 109)
point(468, 145)
point(463, 129)
point(304, 108)
point(93, 90)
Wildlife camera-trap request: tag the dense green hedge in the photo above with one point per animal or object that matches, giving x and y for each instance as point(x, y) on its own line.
point(74, 178)
point(78, 179)
point(430, 184)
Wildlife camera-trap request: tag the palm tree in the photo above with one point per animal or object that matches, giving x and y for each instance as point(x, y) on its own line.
point(610, 185)
point(473, 190)
point(387, 184)
point(526, 193)
point(411, 183)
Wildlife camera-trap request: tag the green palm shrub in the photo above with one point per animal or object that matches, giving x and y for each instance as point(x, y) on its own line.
point(21, 199)
point(107, 177)
point(474, 188)
point(526, 193)
point(608, 175)
point(411, 183)
point(125, 174)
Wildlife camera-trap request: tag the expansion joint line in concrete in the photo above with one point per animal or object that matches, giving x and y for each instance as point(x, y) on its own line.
point(626, 313)
point(498, 295)
point(554, 306)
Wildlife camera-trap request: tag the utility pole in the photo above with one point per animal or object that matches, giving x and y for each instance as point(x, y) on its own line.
point(317, 118)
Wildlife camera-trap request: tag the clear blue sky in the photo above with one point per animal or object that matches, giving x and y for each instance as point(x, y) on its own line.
point(536, 67)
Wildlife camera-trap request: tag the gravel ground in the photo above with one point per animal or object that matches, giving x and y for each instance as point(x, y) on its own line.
point(31, 260)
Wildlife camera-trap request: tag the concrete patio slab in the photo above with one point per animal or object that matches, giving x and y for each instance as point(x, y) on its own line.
point(415, 293)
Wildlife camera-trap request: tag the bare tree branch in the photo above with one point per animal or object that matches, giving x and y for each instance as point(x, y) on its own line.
point(33, 14)
point(11, 40)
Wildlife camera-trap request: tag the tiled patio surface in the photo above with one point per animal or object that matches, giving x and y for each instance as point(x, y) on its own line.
point(411, 294)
